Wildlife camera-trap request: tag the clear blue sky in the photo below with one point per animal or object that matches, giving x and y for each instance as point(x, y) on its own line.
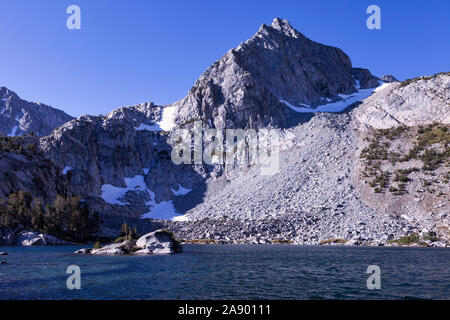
point(133, 51)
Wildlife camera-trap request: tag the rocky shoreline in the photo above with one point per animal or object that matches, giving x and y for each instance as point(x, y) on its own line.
point(165, 236)
point(30, 238)
point(329, 242)
point(305, 230)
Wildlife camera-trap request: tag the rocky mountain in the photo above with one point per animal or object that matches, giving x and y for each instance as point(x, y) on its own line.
point(340, 172)
point(18, 117)
point(277, 64)
point(250, 85)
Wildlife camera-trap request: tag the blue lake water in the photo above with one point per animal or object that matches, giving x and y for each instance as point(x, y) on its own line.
point(229, 272)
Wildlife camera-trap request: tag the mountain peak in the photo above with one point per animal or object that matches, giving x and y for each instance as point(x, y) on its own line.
point(285, 27)
point(281, 25)
point(18, 117)
point(5, 92)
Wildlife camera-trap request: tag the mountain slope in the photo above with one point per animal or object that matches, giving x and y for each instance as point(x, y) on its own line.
point(320, 191)
point(18, 117)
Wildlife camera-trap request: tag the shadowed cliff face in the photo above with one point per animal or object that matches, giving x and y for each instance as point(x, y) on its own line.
point(110, 150)
point(243, 89)
point(24, 167)
point(18, 117)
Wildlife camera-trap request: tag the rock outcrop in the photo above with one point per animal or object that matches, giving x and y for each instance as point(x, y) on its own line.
point(157, 242)
point(364, 78)
point(388, 78)
point(417, 102)
point(18, 117)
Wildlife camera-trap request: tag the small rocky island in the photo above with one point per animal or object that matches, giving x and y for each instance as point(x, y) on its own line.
point(157, 242)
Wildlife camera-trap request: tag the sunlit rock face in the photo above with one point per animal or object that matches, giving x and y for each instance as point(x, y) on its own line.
point(243, 89)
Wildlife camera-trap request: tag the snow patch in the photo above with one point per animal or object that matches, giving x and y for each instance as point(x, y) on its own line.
point(154, 127)
point(181, 191)
point(181, 218)
point(337, 106)
point(163, 210)
point(294, 107)
point(383, 86)
point(168, 118)
point(166, 123)
point(112, 194)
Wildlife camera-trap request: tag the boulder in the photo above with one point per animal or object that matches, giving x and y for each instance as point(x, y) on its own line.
point(83, 251)
point(438, 244)
point(115, 248)
point(159, 242)
point(353, 242)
